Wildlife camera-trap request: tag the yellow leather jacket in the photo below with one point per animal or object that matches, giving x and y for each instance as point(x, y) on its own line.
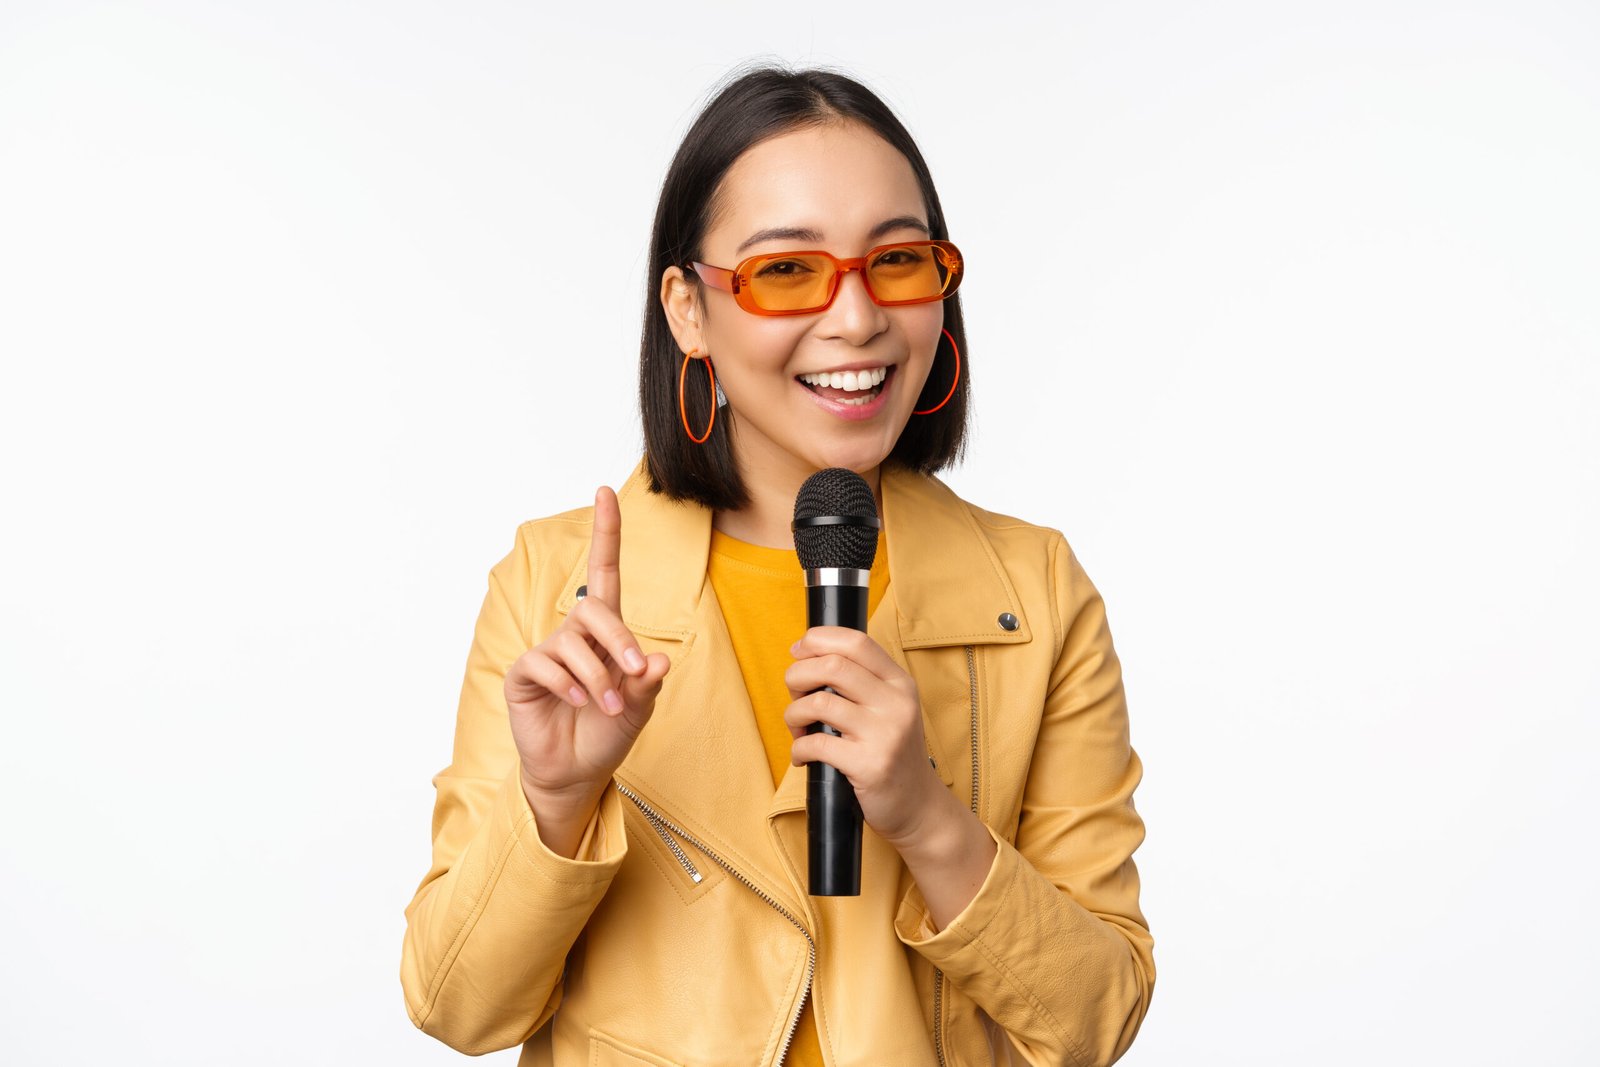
point(682, 932)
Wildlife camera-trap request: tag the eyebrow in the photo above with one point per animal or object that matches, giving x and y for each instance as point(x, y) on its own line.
point(800, 233)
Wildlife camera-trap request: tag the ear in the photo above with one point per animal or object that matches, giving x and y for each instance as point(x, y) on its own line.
point(685, 314)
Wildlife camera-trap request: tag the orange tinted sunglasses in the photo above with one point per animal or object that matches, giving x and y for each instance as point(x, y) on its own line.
point(800, 283)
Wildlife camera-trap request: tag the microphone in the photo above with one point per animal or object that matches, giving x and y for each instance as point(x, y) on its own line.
point(836, 536)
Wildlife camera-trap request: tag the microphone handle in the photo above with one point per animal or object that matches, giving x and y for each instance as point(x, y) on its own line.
point(833, 814)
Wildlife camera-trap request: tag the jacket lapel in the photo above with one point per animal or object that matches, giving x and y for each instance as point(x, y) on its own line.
point(950, 588)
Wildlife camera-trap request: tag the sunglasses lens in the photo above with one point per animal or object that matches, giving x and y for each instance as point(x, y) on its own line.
point(791, 283)
point(911, 272)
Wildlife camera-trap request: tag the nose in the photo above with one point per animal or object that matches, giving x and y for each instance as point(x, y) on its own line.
point(854, 314)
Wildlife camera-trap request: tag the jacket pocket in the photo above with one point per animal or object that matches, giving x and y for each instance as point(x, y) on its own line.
point(691, 875)
point(607, 1051)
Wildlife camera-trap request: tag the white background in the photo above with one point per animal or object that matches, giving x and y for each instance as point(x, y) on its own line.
point(1296, 304)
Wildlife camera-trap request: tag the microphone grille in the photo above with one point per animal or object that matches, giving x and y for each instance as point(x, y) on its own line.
point(836, 491)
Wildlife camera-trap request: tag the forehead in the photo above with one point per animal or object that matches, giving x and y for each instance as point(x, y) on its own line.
point(838, 180)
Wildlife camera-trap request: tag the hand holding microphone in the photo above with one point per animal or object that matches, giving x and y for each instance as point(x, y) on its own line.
point(857, 715)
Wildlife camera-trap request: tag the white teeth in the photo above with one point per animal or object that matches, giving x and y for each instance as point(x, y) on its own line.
point(851, 380)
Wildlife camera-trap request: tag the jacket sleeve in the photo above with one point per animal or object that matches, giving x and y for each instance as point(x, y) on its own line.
point(489, 927)
point(1054, 947)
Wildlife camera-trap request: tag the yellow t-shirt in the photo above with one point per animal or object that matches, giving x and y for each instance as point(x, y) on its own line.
point(762, 592)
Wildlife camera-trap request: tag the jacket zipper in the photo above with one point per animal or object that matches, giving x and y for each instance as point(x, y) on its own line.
point(938, 975)
point(661, 826)
point(972, 697)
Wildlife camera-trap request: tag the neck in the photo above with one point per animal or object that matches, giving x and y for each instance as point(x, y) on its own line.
point(765, 520)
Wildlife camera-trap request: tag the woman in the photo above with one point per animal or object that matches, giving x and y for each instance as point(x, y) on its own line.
point(619, 876)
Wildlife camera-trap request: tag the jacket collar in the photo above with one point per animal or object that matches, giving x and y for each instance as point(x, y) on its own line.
point(945, 577)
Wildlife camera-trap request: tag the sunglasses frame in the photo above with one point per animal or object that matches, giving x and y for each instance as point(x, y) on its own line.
point(737, 279)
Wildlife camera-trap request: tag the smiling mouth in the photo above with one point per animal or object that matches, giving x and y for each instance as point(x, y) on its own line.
point(849, 389)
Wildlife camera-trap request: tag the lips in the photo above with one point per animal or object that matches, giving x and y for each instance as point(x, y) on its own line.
point(855, 405)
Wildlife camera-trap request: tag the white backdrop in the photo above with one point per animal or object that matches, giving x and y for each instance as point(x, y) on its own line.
point(289, 290)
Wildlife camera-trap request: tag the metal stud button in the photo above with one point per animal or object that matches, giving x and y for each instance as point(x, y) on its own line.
point(583, 591)
point(1008, 621)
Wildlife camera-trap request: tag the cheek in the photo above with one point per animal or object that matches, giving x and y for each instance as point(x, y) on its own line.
point(932, 329)
point(925, 335)
point(755, 354)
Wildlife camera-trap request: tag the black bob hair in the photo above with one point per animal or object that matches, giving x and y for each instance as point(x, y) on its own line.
point(756, 105)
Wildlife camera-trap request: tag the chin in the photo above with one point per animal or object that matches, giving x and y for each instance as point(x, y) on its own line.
point(857, 457)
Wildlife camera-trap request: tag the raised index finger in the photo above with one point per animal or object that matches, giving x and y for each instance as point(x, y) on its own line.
point(605, 582)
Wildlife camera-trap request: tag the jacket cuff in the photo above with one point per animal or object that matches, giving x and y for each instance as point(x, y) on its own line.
point(600, 849)
point(914, 926)
point(1053, 974)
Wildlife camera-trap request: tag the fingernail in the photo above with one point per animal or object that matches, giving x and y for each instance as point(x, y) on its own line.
point(632, 660)
point(579, 697)
point(794, 649)
point(613, 700)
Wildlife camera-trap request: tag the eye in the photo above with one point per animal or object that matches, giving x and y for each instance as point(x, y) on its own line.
point(783, 268)
point(898, 257)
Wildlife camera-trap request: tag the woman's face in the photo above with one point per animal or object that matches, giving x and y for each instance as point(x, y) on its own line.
point(841, 182)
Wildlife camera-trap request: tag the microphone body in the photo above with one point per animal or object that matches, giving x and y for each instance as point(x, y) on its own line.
point(835, 596)
point(836, 537)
